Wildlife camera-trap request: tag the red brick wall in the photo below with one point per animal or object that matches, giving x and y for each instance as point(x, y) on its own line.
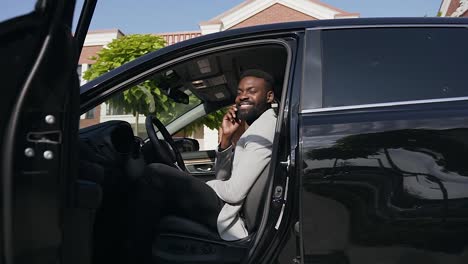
point(452, 7)
point(95, 120)
point(276, 13)
point(88, 52)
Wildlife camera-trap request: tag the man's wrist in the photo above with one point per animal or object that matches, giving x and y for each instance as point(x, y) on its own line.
point(220, 149)
point(225, 143)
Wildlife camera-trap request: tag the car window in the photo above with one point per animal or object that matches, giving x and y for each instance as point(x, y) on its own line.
point(366, 66)
point(134, 104)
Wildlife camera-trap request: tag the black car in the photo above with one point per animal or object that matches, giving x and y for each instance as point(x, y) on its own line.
point(370, 159)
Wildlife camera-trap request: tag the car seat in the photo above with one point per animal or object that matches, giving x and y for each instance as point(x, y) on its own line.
point(182, 240)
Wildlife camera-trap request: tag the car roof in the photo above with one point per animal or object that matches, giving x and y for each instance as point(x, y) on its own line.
point(302, 25)
point(275, 28)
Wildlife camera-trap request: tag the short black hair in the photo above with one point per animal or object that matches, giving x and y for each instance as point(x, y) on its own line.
point(269, 81)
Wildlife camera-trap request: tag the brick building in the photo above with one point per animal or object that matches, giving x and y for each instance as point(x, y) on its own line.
point(453, 8)
point(248, 13)
point(258, 12)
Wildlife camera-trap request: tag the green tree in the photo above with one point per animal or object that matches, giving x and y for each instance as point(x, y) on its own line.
point(144, 98)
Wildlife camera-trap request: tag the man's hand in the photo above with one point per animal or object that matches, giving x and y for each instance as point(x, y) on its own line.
point(230, 126)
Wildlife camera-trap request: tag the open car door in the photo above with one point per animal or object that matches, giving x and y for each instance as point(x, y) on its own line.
point(38, 132)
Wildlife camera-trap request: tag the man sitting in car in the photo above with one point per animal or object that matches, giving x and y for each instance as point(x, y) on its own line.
point(242, 155)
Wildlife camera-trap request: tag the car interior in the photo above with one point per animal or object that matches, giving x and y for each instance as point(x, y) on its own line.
point(112, 157)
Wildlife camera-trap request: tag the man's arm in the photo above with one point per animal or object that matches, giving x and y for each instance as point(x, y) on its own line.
point(255, 157)
point(223, 163)
point(230, 133)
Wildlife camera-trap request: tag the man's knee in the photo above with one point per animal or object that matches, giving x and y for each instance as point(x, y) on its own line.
point(158, 170)
point(158, 174)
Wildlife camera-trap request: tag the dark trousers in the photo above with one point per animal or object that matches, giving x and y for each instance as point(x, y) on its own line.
point(162, 191)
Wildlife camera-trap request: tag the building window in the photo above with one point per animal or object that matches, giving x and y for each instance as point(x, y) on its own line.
point(111, 110)
point(78, 70)
point(81, 69)
point(90, 114)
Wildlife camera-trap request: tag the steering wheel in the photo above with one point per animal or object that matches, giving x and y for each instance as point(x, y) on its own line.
point(166, 153)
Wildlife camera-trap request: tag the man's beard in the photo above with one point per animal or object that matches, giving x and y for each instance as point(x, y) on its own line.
point(251, 114)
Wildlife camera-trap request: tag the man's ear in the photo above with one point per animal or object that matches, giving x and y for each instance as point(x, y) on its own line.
point(270, 97)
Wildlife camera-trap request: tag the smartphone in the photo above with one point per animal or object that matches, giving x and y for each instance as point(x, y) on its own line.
point(237, 117)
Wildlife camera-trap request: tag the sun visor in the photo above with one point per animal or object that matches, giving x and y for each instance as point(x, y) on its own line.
point(215, 93)
point(212, 89)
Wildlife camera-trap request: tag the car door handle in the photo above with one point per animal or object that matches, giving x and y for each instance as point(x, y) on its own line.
point(208, 169)
point(200, 168)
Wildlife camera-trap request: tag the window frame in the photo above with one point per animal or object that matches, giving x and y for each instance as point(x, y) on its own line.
point(312, 86)
point(91, 114)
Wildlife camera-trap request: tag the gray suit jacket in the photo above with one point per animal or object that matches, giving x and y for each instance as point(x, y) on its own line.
point(236, 174)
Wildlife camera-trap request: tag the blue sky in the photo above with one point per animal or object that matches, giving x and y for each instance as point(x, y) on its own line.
point(156, 16)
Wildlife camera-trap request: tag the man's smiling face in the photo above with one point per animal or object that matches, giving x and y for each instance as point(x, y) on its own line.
point(253, 98)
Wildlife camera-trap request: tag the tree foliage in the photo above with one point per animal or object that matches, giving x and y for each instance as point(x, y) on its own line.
point(144, 98)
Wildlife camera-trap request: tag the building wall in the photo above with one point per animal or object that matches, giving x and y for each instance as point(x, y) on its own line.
point(85, 119)
point(85, 122)
point(276, 13)
point(85, 60)
point(87, 53)
point(174, 37)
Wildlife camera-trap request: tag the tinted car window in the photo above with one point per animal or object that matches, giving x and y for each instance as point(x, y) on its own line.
point(366, 66)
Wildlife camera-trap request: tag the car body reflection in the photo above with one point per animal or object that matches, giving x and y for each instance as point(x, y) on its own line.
point(405, 186)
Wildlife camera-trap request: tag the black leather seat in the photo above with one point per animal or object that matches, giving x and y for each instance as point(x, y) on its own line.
point(186, 241)
point(108, 165)
point(183, 226)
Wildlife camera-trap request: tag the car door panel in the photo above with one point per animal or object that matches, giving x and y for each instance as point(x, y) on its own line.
point(383, 186)
point(38, 132)
point(383, 174)
point(200, 163)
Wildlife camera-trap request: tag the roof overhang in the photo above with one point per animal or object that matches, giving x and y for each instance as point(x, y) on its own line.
point(102, 37)
point(461, 9)
point(445, 6)
point(249, 8)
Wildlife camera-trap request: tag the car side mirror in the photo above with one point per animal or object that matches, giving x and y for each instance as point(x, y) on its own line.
point(186, 144)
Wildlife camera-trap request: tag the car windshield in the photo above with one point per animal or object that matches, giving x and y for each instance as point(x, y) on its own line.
point(137, 102)
point(178, 109)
